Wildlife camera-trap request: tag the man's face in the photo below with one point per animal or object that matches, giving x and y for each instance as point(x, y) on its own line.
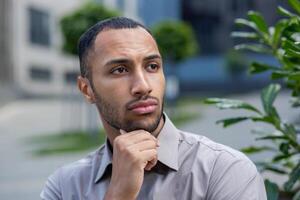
point(127, 79)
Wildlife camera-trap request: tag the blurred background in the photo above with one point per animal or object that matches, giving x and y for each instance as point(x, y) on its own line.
point(45, 122)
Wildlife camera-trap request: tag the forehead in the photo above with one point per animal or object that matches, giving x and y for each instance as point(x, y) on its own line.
point(124, 42)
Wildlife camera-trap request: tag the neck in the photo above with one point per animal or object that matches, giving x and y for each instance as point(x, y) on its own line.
point(112, 132)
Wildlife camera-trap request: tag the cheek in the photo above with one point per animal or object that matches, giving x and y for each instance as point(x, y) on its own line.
point(115, 95)
point(159, 85)
point(110, 88)
point(105, 90)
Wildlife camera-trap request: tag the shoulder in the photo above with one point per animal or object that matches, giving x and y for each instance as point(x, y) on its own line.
point(213, 149)
point(224, 172)
point(213, 155)
point(82, 166)
point(70, 175)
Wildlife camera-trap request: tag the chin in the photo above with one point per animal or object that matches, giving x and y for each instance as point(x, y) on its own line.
point(148, 125)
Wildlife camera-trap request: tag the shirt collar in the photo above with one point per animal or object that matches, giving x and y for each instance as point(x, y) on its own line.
point(168, 144)
point(167, 150)
point(105, 161)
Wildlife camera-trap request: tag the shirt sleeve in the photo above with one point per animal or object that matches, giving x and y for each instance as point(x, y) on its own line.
point(52, 189)
point(235, 179)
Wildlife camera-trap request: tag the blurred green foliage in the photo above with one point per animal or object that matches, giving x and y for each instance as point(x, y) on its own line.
point(175, 39)
point(67, 142)
point(74, 24)
point(282, 41)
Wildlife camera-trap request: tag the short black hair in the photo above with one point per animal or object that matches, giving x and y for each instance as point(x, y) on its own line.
point(87, 39)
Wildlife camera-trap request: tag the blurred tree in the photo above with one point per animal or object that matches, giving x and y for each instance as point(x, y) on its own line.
point(74, 24)
point(176, 40)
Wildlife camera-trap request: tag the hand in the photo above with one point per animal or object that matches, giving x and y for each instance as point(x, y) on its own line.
point(133, 153)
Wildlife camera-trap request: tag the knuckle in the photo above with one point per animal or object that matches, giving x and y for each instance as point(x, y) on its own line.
point(117, 140)
point(118, 144)
point(133, 158)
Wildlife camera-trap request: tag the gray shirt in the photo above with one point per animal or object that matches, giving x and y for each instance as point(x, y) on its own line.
point(189, 167)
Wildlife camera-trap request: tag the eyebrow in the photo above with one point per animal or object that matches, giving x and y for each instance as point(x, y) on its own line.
point(151, 57)
point(125, 60)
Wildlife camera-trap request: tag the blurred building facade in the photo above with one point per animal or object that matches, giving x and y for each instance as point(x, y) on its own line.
point(31, 58)
point(5, 48)
point(148, 12)
point(213, 20)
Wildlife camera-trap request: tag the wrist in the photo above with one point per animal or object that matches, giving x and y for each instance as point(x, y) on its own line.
point(113, 194)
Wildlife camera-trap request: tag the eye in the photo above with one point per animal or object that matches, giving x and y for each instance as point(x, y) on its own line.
point(152, 67)
point(119, 70)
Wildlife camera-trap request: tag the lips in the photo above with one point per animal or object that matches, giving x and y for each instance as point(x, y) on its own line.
point(144, 106)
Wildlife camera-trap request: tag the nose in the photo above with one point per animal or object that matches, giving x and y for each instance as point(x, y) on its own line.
point(140, 84)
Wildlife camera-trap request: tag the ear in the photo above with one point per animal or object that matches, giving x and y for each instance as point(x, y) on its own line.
point(85, 88)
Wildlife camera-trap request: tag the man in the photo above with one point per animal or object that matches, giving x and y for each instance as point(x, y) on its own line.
point(145, 156)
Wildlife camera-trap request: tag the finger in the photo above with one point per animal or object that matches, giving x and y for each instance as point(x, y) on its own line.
point(151, 164)
point(144, 145)
point(125, 134)
point(140, 137)
point(122, 132)
point(148, 155)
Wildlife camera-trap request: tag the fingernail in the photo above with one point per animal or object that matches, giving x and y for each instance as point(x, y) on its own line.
point(122, 131)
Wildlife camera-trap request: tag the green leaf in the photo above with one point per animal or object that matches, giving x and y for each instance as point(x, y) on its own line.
point(293, 53)
point(231, 104)
point(288, 44)
point(259, 67)
point(290, 131)
point(255, 149)
point(294, 76)
point(281, 157)
point(266, 119)
point(247, 35)
point(268, 96)
point(285, 12)
point(272, 137)
point(284, 148)
point(272, 190)
point(267, 166)
point(295, 4)
point(231, 121)
point(258, 48)
point(293, 178)
point(279, 27)
point(275, 169)
point(259, 21)
point(279, 74)
point(244, 22)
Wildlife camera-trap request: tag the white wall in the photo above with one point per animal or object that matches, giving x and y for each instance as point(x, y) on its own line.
point(27, 54)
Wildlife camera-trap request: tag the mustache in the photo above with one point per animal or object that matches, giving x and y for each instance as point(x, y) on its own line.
point(127, 105)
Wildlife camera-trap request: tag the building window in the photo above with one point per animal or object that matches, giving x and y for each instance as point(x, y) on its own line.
point(71, 77)
point(40, 74)
point(39, 27)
